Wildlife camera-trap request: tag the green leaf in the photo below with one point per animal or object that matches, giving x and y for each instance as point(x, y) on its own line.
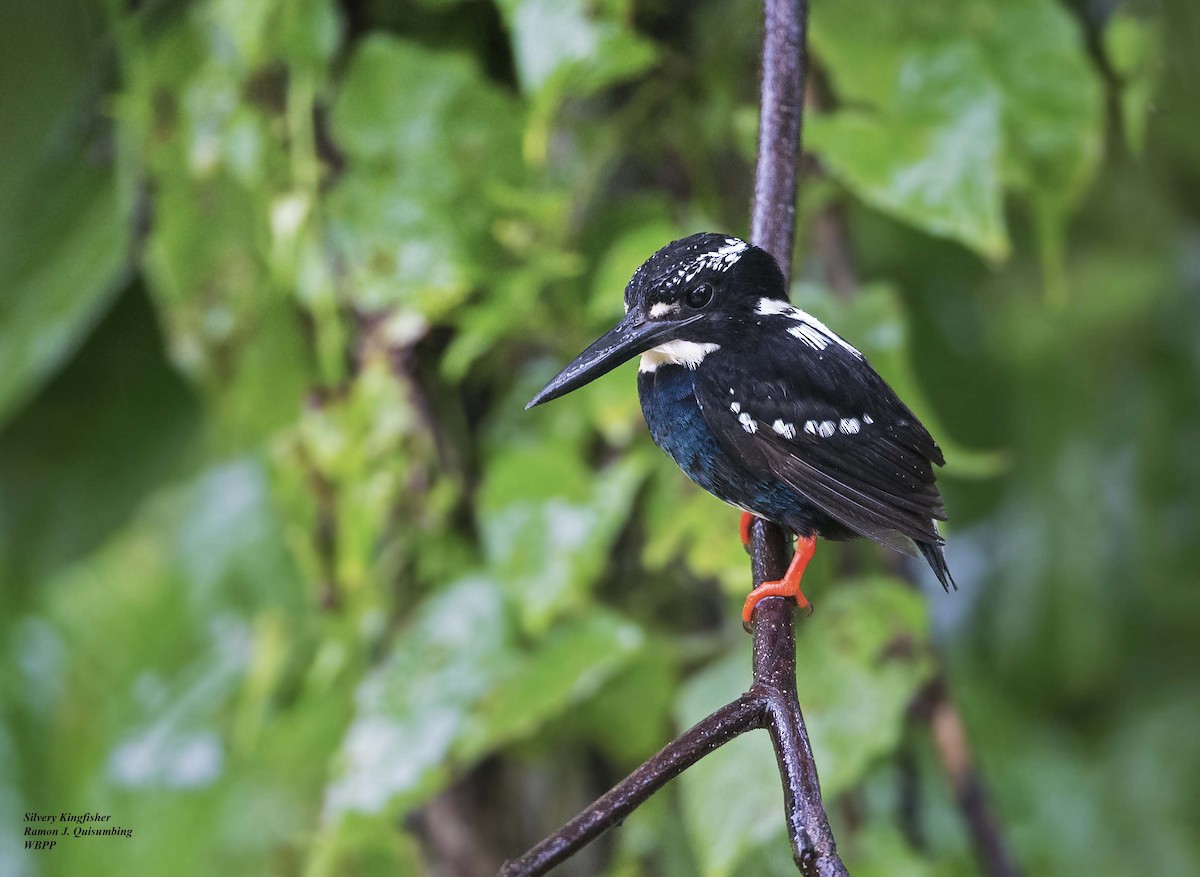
point(230, 541)
point(413, 707)
point(686, 525)
point(628, 717)
point(59, 270)
point(1053, 99)
point(548, 524)
point(1133, 46)
point(66, 232)
point(573, 662)
point(882, 851)
point(934, 160)
point(456, 687)
point(574, 45)
point(1003, 88)
point(204, 710)
point(79, 459)
point(869, 654)
point(429, 145)
point(1125, 776)
point(217, 112)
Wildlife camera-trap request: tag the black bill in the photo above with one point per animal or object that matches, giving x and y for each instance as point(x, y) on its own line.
point(631, 336)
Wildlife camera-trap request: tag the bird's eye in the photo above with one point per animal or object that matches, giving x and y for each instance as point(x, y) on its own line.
point(698, 296)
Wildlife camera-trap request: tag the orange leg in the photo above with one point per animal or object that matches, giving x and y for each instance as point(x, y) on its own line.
point(744, 526)
point(789, 585)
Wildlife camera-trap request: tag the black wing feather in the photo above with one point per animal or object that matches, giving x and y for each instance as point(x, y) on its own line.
point(878, 482)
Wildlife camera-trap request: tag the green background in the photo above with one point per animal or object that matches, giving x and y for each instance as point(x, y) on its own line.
point(292, 584)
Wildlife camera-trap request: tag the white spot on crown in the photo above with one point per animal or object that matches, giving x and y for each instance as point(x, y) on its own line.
point(721, 259)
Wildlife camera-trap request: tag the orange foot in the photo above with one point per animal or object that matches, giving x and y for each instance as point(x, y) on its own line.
point(744, 526)
point(788, 586)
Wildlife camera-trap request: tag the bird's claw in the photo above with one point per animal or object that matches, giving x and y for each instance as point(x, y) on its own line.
point(788, 586)
point(744, 528)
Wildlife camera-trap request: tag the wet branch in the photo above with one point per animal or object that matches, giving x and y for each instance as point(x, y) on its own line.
point(773, 227)
point(712, 733)
point(771, 701)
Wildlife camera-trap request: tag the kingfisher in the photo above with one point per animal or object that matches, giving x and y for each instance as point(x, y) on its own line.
point(765, 407)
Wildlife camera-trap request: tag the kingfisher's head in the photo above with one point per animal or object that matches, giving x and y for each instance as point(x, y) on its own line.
point(684, 302)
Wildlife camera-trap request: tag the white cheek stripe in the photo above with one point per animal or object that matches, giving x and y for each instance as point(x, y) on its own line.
point(811, 331)
point(689, 354)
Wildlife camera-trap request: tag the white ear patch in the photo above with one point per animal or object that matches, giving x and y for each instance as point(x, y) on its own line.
point(811, 331)
point(776, 307)
point(688, 354)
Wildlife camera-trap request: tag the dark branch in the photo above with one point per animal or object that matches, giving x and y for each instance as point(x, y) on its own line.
point(954, 753)
point(773, 217)
point(728, 722)
point(771, 701)
point(773, 227)
point(813, 846)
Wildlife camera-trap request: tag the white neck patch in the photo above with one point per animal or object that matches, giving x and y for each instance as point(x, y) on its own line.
point(688, 354)
point(811, 331)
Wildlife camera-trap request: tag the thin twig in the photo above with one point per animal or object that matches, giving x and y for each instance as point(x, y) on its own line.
point(958, 763)
point(728, 722)
point(771, 702)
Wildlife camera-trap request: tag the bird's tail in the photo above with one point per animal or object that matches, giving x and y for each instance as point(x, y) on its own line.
point(936, 557)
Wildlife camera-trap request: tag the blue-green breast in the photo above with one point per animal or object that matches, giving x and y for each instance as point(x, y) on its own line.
point(677, 426)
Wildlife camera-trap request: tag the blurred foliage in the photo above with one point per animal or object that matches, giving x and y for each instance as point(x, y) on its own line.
point(294, 585)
